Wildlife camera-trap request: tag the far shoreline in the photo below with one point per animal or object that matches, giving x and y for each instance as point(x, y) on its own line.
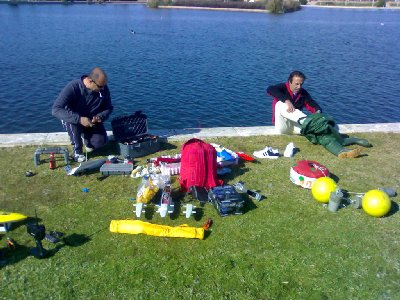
point(350, 7)
point(267, 11)
point(143, 2)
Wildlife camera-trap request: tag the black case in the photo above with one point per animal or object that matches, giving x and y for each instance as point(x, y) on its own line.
point(226, 200)
point(131, 134)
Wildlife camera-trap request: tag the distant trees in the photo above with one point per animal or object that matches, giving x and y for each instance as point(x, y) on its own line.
point(274, 6)
point(282, 6)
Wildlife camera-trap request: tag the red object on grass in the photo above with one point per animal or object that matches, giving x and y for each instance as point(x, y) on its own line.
point(207, 224)
point(244, 156)
point(52, 162)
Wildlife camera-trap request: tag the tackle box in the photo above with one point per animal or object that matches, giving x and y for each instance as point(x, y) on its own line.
point(116, 169)
point(226, 200)
point(131, 133)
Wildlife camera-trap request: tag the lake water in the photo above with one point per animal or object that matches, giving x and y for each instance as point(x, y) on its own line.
point(191, 68)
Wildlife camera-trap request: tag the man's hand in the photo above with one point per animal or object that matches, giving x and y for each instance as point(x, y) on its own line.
point(96, 119)
point(84, 121)
point(290, 107)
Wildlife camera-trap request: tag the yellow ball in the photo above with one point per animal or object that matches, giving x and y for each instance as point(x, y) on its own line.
point(322, 189)
point(376, 203)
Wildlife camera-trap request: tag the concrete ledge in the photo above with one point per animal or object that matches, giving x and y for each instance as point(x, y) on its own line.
point(61, 138)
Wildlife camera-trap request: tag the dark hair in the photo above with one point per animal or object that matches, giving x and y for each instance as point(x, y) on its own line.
point(296, 74)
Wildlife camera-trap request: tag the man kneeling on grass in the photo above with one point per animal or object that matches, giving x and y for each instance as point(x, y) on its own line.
point(82, 106)
point(289, 99)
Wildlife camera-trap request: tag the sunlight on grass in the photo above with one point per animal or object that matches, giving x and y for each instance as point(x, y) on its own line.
point(285, 246)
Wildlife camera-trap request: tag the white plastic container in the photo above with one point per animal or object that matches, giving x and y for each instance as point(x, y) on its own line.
point(170, 169)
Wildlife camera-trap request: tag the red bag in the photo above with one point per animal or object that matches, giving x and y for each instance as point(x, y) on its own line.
point(198, 165)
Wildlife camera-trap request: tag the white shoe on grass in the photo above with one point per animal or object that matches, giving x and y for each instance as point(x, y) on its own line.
point(267, 152)
point(290, 150)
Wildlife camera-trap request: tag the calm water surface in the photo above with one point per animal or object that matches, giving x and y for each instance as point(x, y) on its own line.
point(188, 68)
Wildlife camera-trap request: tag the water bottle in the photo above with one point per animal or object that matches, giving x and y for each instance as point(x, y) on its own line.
point(240, 187)
point(52, 161)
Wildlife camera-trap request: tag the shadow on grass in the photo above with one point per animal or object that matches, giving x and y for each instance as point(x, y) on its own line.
point(12, 256)
point(334, 177)
point(207, 233)
point(15, 254)
point(111, 148)
point(167, 146)
point(248, 204)
point(76, 240)
point(393, 209)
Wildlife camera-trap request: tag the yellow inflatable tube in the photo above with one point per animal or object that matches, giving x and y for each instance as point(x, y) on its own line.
point(137, 227)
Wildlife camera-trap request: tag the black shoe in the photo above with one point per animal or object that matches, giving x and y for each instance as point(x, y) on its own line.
point(53, 236)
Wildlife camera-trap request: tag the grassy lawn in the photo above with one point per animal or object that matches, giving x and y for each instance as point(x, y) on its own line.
point(288, 246)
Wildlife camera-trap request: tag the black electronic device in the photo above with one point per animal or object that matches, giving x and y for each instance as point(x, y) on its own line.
point(38, 232)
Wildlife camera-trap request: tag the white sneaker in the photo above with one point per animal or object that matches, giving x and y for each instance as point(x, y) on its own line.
point(89, 149)
point(290, 150)
point(267, 152)
point(79, 157)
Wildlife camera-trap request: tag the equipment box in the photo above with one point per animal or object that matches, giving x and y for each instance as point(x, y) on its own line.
point(226, 200)
point(131, 134)
point(116, 169)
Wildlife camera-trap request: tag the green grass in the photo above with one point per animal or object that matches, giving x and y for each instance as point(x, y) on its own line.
point(287, 246)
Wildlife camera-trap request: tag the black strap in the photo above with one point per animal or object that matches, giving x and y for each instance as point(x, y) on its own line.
point(300, 119)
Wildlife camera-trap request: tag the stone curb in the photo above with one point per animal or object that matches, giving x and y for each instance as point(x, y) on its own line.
point(61, 138)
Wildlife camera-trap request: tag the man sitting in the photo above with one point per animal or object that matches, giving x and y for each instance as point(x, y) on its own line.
point(289, 99)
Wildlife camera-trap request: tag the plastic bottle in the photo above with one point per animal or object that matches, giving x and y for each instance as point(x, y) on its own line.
point(52, 161)
point(240, 187)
